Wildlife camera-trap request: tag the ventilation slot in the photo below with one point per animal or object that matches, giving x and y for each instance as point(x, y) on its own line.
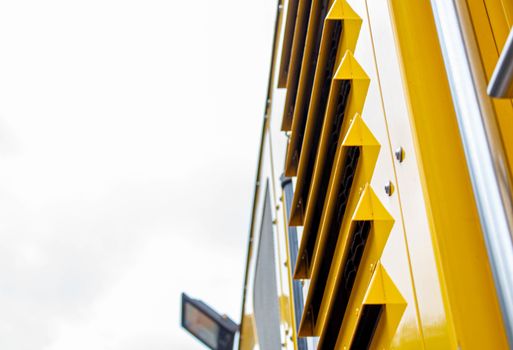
point(350, 165)
point(351, 82)
point(298, 46)
point(310, 232)
point(366, 327)
point(286, 48)
point(308, 71)
point(356, 248)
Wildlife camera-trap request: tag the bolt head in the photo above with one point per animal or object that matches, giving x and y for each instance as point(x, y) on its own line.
point(389, 188)
point(399, 154)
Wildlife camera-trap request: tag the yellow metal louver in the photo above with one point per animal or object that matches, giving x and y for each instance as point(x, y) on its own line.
point(346, 98)
point(358, 251)
point(322, 54)
point(359, 146)
point(372, 322)
point(360, 242)
point(296, 57)
point(347, 205)
point(286, 48)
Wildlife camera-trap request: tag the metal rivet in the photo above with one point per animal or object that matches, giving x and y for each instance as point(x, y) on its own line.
point(399, 154)
point(389, 188)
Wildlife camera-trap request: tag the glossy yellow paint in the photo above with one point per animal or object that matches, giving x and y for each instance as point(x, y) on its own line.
point(382, 291)
point(425, 259)
point(369, 208)
point(303, 93)
point(351, 23)
point(357, 135)
point(472, 315)
point(338, 12)
point(347, 70)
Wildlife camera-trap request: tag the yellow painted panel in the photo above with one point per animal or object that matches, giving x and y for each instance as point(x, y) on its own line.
point(463, 270)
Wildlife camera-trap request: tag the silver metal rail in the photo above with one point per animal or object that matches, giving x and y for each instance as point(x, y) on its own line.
point(501, 83)
point(484, 151)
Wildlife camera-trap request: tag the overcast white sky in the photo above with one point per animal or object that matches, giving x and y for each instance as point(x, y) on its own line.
point(129, 133)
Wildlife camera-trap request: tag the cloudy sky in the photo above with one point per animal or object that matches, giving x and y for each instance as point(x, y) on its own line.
point(129, 132)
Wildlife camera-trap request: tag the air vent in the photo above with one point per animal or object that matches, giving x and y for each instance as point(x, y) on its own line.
point(338, 31)
point(298, 46)
point(309, 65)
point(347, 95)
point(372, 321)
point(286, 48)
point(341, 299)
point(328, 155)
point(323, 204)
point(366, 327)
point(361, 239)
point(342, 192)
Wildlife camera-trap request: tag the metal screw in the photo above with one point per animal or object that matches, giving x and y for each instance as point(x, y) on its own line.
point(399, 154)
point(389, 188)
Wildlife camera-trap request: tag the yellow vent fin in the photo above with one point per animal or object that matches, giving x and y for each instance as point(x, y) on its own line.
point(382, 289)
point(340, 10)
point(370, 208)
point(359, 135)
point(350, 69)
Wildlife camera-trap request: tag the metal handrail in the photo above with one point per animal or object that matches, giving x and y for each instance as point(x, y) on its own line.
point(486, 159)
point(501, 83)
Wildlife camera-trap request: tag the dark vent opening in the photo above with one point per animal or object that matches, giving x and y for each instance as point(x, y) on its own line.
point(366, 327)
point(321, 106)
point(335, 38)
point(348, 172)
point(289, 32)
point(301, 37)
point(344, 288)
point(336, 129)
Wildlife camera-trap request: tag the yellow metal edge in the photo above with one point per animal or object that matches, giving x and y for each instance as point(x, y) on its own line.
point(295, 64)
point(286, 47)
point(462, 263)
